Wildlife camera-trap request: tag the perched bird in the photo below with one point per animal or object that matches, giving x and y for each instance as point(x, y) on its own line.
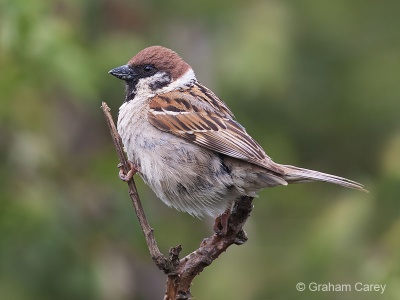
point(186, 144)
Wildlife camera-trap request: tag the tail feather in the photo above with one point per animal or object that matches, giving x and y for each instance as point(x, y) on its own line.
point(296, 175)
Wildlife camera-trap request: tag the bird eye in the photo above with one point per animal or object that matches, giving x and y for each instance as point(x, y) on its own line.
point(148, 68)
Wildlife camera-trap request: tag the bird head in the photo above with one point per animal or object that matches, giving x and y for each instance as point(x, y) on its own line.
point(152, 71)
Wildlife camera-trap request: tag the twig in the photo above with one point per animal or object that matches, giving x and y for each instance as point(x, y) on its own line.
point(181, 272)
point(178, 285)
point(159, 259)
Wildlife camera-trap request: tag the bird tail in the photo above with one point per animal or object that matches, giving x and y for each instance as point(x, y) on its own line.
point(298, 175)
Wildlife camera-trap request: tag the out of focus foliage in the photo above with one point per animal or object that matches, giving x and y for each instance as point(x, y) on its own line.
point(315, 82)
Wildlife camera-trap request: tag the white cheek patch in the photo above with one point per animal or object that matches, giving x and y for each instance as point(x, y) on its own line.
point(161, 83)
point(187, 78)
point(147, 87)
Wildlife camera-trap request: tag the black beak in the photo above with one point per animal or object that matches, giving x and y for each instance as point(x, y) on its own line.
point(124, 72)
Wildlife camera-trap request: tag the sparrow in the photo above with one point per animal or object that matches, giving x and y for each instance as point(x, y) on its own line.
point(185, 143)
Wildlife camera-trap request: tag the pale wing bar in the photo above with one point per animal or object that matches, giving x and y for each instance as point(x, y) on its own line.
point(206, 129)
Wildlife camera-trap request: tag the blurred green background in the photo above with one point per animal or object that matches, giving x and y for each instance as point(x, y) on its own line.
point(315, 82)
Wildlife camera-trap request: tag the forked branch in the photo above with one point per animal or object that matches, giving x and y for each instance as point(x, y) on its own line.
point(181, 272)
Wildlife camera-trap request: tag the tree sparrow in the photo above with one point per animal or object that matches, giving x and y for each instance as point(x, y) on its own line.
point(185, 143)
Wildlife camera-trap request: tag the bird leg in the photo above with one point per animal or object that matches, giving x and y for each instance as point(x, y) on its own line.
point(221, 222)
point(128, 176)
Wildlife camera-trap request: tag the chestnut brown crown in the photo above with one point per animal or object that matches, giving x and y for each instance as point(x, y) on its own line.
point(163, 59)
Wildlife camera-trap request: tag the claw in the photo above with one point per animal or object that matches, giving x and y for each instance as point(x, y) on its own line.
point(128, 176)
point(221, 223)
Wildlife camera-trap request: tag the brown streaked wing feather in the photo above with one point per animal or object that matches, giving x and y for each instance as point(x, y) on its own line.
point(200, 91)
point(174, 113)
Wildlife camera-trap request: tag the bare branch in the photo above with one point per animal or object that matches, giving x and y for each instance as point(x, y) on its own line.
point(159, 259)
point(181, 272)
point(178, 285)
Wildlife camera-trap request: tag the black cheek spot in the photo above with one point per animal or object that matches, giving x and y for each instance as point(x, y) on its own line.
point(162, 82)
point(157, 85)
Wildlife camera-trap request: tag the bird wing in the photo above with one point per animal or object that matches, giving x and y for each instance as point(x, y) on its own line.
point(183, 114)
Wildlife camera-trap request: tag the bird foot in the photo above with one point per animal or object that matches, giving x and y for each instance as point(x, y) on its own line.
point(221, 223)
point(128, 176)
